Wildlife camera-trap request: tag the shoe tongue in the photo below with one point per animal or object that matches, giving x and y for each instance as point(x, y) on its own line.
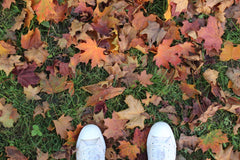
point(91, 141)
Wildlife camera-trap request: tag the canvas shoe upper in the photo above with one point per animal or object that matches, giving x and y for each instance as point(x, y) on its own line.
point(161, 143)
point(90, 144)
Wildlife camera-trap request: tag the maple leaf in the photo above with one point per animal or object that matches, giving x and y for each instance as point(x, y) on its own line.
point(31, 93)
point(128, 150)
point(38, 55)
point(212, 141)
point(62, 125)
point(213, 40)
point(26, 75)
point(114, 71)
point(154, 33)
point(19, 21)
point(7, 64)
point(8, 115)
point(230, 52)
point(166, 54)
point(14, 154)
point(53, 85)
point(92, 51)
point(144, 78)
point(115, 127)
point(6, 49)
point(101, 91)
point(140, 22)
point(44, 10)
point(190, 29)
point(41, 109)
point(181, 5)
point(41, 155)
point(154, 99)
point(233, 74)
point(168, 13)
point(224, 154)
point(211, 76)
point(135, 113)
point(140, 138)
point(72, 136)
point(188, 90)
point(32, 39)
point(188, 142)
point(7, 3)
point(29, 12)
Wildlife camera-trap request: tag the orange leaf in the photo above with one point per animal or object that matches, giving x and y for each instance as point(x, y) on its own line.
point(213, 40)
point(8, 115)
point(32, 39)
point(14, 154)
point(166, 54)
point(212, 141)
point(92, 51)
point(140, 21)
point(168, 14)
point(7, 3)
point(115, 126)
point(101, 91)
point(62, 125)
point(44, 10)
point(6, 49)
point(127, 149)
point(188, 90)
point(230, 52)
point(72, 136)
point(140, 138)
point(144, 78)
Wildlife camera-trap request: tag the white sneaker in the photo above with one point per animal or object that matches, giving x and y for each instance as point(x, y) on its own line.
point(161, 143)
point(90, 144)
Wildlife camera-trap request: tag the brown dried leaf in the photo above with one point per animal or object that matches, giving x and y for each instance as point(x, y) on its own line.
point(144, 78)
point(41, 155)
point(41, 109)
point(62, 125)
point(31, 93)
point(188, 142)
point(14, 154)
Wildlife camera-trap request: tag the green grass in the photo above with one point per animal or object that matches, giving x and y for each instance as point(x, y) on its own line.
point(21, 135)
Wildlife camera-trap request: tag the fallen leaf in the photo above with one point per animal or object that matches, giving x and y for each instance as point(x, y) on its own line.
point(234, 75)
point(128, 150)
point(230, 52)
point(168, 14)
point(53, 85)
point(213, 40)
point(44, 10)
point(38, 55)
point(7, 64)
point(32, 39)
point(72, 136)
point(144, 78)
point(168, 109)
point(26, 75)
point(41, 155)
point(181, 5)
point(41, 109)
point(188, 142)
point(211, 76)
point(7, 3)
point(151, 99)
point(212, 141)
point(236, 127)
point(140, 22)
point(19, 21)
point(189, 90)
point(115, 127)
point(135, 113)
point(62, 125)
point(224, 154)
point(166, 54)
point(140, 138)
point(101, 91)
point(92, 51)
point(6, 49)
point(154, 33)
point(31, 93)
point(8, 115)
point(14, 154)
point(111, 154)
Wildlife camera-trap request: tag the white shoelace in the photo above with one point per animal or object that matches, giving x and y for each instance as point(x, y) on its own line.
point(93, 152)
point(160, 148)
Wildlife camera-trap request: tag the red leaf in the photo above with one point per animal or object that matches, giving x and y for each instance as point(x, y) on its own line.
point(140, 138)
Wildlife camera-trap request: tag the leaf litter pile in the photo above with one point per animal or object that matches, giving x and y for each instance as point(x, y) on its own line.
point(124, 40)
